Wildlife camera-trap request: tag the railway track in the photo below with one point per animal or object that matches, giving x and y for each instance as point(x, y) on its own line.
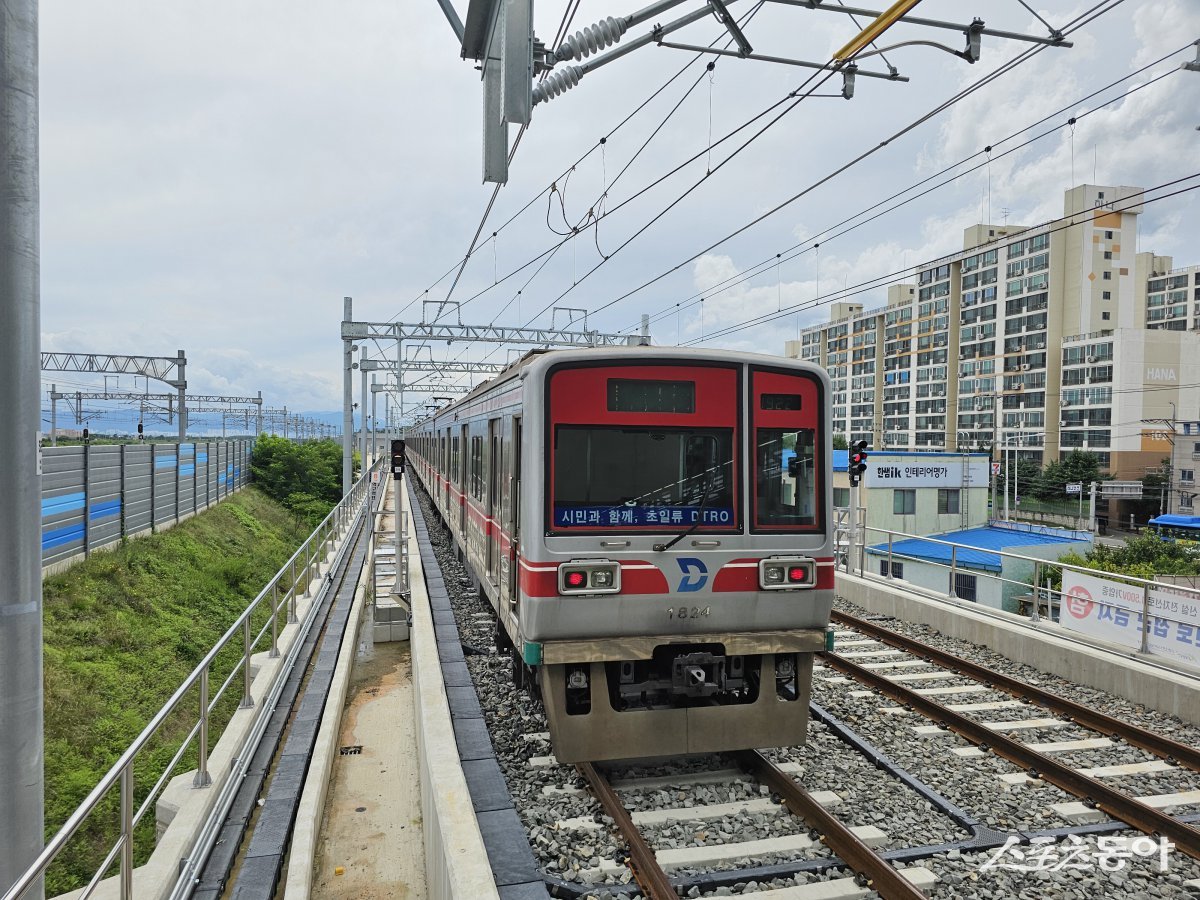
point(898, 661)
point(876, 872)
point(697, 825)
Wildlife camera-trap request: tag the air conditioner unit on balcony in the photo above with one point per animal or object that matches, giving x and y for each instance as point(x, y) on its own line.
point(1170, 313)
point(1063, 424)
point(1092, 359)
point(1066, 402)
point(1025, 367)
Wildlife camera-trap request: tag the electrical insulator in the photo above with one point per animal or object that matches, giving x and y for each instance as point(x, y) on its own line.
point(557, 82)
point(592, 39)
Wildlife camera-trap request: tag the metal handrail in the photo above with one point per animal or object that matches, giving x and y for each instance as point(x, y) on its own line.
point(1039, 565)
point(331, 528)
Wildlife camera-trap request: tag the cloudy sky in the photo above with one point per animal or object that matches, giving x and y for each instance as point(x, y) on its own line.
point(217, 176)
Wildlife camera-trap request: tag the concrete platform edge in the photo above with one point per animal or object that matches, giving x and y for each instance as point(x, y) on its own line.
point(456, 860)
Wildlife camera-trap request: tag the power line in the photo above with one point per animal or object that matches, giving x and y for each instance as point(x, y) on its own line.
point(820, 237)
point(873, 283)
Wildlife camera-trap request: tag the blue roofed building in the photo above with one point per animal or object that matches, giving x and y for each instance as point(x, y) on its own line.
point(982, 574)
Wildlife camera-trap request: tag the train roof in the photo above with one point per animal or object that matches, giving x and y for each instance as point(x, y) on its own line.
point(548, 356)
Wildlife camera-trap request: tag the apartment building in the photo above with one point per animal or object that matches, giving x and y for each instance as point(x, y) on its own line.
point(1045, 339)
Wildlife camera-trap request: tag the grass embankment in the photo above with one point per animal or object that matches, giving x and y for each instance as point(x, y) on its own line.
point(122, 631)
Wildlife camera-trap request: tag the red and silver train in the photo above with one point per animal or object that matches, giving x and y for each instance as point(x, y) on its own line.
point(653, 529)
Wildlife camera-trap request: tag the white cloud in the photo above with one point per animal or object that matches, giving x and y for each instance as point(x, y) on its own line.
point(215, 178)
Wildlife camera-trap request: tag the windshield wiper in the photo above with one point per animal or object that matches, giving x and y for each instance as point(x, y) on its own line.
point(708, 480)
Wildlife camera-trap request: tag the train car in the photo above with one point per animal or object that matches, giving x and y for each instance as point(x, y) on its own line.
point(652, 527)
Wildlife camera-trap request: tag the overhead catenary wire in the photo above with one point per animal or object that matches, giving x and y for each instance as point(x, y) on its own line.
point(825, 234)
point(1006, 67)
point(461, 265)
point(876, 282)
point(1089, 15)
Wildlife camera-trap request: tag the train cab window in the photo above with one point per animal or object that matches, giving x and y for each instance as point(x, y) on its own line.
point(613, 477)
point(786, 482)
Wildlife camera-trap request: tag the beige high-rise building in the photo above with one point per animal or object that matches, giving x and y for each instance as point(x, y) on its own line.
point(1046, 339)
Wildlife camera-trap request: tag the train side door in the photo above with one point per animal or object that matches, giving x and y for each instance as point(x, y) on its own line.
point(515, 466)
point(508, 513)
point(494, 468)
point(464, 482)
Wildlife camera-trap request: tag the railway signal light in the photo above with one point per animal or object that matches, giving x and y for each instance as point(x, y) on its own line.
point(858, 462)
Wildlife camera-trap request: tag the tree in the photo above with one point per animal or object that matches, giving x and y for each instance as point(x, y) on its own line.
point(840, 442)
point(306, 478)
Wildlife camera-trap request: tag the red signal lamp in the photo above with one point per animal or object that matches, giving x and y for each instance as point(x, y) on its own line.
point(797, 575)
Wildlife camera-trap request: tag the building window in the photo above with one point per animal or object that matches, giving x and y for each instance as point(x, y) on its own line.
point(904, 502)
point(841, 497)
point(948, 500)
point(1107, 275)
point(964, 586)
point(897, 568)
point(1108, 254)
point(1108, 235)
point(1107, 295)
point(1105, 316)
point(1187, 475)
point(1185, 500)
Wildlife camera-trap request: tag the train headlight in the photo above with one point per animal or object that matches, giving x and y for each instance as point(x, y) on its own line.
point(786, 573)
point(589, 577)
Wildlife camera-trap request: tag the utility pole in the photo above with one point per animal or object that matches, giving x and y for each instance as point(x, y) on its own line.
point(22, 822)
point(362, 419)
point(347, 401)
point(374, 420)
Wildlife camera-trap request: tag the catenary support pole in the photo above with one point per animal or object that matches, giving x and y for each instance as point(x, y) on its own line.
point(374, 421)
point(183, 416)
point(362, 422)
point(54, 415)
point(347, 403)
point(21, 743)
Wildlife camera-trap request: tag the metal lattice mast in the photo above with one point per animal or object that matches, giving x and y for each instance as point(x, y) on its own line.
point(426, 332)
point(171, 370)
point(21, 741)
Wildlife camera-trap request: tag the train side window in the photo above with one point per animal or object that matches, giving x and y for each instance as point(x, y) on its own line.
point(786, 482)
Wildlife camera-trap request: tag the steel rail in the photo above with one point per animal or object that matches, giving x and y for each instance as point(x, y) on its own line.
point(1151, 741)
point(1120, 806)
point(835, 834)
point(646, 870)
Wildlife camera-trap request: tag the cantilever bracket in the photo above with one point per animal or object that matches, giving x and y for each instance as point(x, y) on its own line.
point(722, 15)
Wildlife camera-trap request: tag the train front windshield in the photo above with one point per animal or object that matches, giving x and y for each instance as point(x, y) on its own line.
point(616, 477)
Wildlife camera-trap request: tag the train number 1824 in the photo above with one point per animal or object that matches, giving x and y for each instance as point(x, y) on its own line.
point(688, 612)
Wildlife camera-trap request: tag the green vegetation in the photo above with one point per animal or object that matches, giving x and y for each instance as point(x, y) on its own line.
point(306, 478)
point(123, 630)
point(1144, 556)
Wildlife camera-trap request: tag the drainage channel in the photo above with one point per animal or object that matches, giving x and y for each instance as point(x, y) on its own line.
point(235, 867)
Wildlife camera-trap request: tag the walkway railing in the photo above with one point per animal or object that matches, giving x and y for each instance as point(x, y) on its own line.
point(1147, 618)
point(280, 597)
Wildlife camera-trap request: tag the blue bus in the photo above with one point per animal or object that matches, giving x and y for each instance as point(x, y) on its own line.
point(1176, 528)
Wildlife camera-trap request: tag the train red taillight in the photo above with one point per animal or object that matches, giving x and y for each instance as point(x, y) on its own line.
point(786, 573)
point(589, 577)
